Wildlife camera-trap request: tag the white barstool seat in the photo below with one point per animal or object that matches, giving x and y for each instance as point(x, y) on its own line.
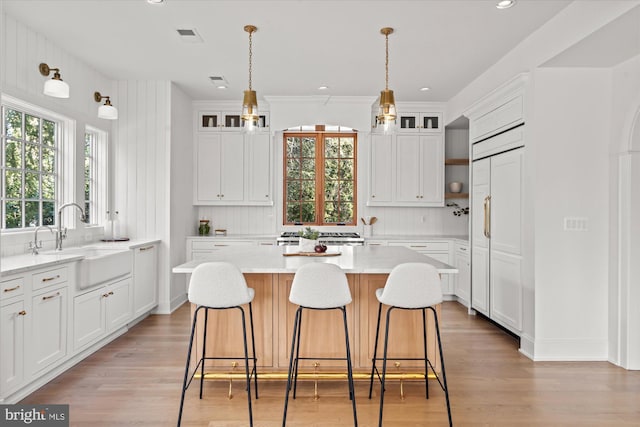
point(219, 286)
point(318, 286)
point(410, 286)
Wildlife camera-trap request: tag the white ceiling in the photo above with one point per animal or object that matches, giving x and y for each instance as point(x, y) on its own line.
point(300, 44)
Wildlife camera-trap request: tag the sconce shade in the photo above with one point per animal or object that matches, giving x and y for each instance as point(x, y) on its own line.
point(54, 87)
point(108, 112)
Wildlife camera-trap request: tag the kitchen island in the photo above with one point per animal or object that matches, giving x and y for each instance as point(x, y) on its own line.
point(269, 270)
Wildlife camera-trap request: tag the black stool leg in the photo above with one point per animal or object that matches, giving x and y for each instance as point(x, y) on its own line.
point(204, 347)
point(444, 375)
point(253, 345)
point(186, 369)
point(426, 360)
point(384, 364)
point(293, 346)
point(375, 350)
point(246, 365)
point(297, 358)
point(352, 392)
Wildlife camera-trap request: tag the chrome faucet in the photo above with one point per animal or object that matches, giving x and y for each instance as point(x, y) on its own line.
point(34, 246)
point(60, 233)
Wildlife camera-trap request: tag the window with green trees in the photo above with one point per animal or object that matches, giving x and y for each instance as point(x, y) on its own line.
point(90, 141)
point(320, 178)
point(29, 155)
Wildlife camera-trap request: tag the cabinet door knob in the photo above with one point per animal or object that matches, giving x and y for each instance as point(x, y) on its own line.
point(22, 313)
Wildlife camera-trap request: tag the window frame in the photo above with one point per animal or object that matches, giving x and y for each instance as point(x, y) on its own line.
point(320, 201)
point(99, 183)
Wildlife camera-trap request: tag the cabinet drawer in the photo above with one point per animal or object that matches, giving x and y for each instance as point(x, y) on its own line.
point(12, 288)
point(436, 246)
point(50, 277)
point(503, 117)
point(207, 245)
point(462, 248)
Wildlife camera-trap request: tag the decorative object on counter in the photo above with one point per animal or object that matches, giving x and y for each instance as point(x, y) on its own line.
point(308, 239)
point(368, 221)
point(455, 187)
point(312, 254)
point(54, 87)
point(458, 211)
point(320, 248)
point(112, 230)
point(220, 231)
point(204, 228)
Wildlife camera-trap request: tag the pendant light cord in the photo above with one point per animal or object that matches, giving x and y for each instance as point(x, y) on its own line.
point(250, 55)
point(386, 62)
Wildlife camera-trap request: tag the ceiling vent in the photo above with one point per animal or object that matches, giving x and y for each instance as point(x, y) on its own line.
point(189, 35)
point(219, 81)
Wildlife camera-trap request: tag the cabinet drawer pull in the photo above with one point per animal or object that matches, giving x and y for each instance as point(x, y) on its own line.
point(417, 246)
point(217, 244)
point(57, 294)
point(107, 294)
point(462, 249)
point(22, 313)
point(146, 248)
point(48, 279)
point(12, 289)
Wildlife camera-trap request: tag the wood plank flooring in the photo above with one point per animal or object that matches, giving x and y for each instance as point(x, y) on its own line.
point(136, 381)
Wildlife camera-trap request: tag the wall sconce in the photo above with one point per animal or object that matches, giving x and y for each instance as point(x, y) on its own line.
point(54, 87)
point(106, 111)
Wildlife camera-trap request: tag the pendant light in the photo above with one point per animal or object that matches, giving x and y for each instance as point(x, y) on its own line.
point(106, 111)
point(54, 87)
point(387, 109)
point(250, 118)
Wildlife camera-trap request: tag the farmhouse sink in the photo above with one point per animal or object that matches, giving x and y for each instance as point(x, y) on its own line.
point(101, 264)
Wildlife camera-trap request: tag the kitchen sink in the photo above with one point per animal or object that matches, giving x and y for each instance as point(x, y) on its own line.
point(101, 265)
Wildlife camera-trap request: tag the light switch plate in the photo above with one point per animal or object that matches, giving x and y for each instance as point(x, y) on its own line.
point(573, 223)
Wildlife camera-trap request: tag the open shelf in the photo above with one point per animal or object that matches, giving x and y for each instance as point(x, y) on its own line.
point(461, 162)
point(456, 195)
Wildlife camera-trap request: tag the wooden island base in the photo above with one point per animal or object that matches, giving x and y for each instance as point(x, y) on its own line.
point(322, 334)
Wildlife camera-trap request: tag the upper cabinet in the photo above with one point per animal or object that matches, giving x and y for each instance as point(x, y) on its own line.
point(231, 168)
point(419, 122)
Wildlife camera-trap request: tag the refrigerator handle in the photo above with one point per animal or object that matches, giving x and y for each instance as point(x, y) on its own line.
point(487, 217)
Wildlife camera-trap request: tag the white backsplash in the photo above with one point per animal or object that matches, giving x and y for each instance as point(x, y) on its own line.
point(18, 243)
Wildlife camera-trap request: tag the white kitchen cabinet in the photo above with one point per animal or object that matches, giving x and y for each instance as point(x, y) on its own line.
point(462, 280)
point(12, 354)
point(100, 312)
point(258, 154)
point(419, 122)
point(497, 280)
point(219, 168)
point(145, 275)
point(407, 170)
point(200, 248)
point(436, 249)
point(47, 342)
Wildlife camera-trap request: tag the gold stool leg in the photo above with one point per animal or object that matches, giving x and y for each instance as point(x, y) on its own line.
point(233, 367)
point(316, 396)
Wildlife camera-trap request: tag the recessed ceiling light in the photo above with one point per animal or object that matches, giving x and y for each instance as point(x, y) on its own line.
point(323, 87)
point(425, 88)
point(222, 86)
point(155, 1)
point(505, 4)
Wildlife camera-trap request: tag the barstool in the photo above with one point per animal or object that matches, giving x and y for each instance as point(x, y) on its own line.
point(318, 286)
point(410, 286)
point(219, 286)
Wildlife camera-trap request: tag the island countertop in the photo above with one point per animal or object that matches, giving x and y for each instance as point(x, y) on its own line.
point(352, 259)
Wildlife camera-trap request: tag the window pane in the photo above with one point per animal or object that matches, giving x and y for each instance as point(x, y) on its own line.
point(294, 189)
point(308, 212)
point(346, 212)
point(13, 154)
point(346, 169)
point(293, 212)
point(31, 213)
point(48, 133)
point(346, 147)
point(331, 212)
point(48, 160)
point(308, 147)
point(293, 147)
point(48, 187)
point(346, 191)
point(13, 123)
point(308, 169)
point(87, 210)
point(31, 185)
point(293, 168)
point(32, 128)
point(308, 190)
point(13, 185)
point(331, 148)
point(48, 213)
point(331, 169)
point(32, 157)
point(331, 190)
point(13, 214)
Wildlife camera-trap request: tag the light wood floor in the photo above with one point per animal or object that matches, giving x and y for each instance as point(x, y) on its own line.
point(136, 380)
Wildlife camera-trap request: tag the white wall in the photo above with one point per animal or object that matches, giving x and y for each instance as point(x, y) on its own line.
point(22, 49)
point(569, 159)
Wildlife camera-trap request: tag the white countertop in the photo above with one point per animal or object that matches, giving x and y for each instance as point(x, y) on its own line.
point(352, 259)
point(389, 237)
point(19, 263)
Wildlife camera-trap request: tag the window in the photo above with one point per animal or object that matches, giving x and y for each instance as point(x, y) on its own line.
point(320, 178)
point(29, 155)
point(89, 175)
point(95, 175)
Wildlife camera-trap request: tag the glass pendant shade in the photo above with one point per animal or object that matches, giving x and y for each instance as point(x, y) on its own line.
point(56, 88)
point(387, 110)
point(108, 112)
point(250, 118)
